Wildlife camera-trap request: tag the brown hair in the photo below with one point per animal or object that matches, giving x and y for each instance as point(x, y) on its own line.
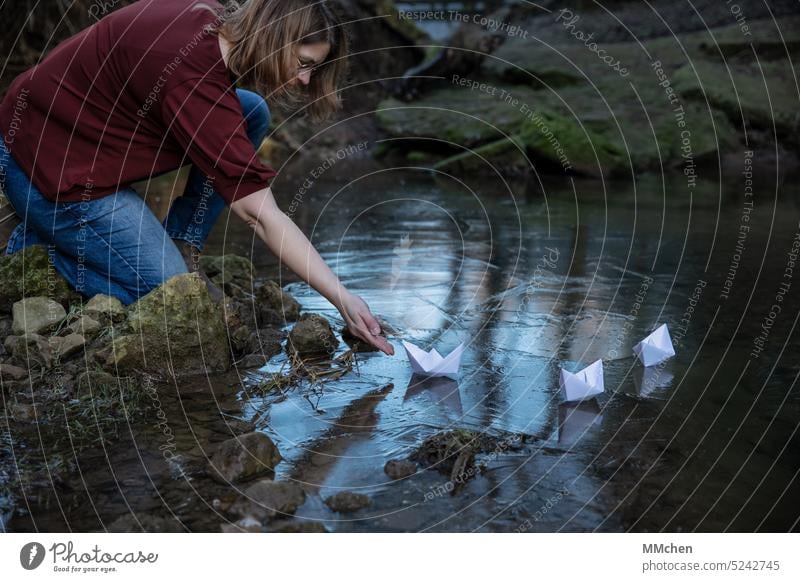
point(263, 36)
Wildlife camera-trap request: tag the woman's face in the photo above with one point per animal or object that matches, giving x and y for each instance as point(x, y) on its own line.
point(307, 57)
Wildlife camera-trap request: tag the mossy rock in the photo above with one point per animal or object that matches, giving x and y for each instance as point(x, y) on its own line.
point(226, 269)
point(30, 273)
point(743, 94)
point(312, 335)
point(175, 330)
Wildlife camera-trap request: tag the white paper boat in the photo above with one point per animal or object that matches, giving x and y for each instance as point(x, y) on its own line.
point(432, 363)
point(582, 385)
point(655, 348)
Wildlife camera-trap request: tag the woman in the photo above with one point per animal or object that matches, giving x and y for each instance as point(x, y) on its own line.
point(147, 89)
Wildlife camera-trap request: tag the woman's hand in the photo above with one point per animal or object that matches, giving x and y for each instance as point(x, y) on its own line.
point(362, 323)
point(295, 251)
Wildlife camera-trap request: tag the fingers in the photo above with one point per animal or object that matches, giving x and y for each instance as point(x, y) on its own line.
point(364, 332)
point(372, 324)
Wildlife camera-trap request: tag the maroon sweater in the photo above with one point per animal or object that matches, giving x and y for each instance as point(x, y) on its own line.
point(142, 91)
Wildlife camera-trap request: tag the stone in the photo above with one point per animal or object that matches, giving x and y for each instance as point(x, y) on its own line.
point(69, 345)
point(266, 499)
point(36, 315)
point(247, 524)
point(176, 330)
point(30, 273)
point(31, 349)
point(86, 326)
point(275, 306)
point(295, 526)
point(227, 270)
point(105, 308)
point(312, 335)
point(266, 341)
point(8, 371)
point(23, 411)
point(246, 457)
point(399, 468)
point(145, 523)
point(347, 502)
point(252, 361)
point(94, 381)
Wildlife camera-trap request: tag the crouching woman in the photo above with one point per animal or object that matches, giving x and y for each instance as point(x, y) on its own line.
point(146, 89)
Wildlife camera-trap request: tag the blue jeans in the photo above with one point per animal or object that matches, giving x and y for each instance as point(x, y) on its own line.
point(115, 244)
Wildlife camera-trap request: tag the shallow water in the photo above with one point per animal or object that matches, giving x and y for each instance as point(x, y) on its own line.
point(531, 277)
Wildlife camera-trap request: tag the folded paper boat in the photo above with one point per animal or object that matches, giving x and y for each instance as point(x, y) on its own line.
point(582, 385)
point(655, 348)
point(432, 363)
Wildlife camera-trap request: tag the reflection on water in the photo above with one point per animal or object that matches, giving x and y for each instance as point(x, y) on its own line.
point(530, 279)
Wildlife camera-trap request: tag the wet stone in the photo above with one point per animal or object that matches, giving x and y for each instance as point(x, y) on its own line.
point(276, 306)
point(245, 457)
point(297, 526)
point(267, 499)
point(399, 468)
point(347, 502)
point(312, 335)
point(247, 524)
point(145, 523)
point(252, 361)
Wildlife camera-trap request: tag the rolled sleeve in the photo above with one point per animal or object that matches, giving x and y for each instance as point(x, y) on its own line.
point(205, 118)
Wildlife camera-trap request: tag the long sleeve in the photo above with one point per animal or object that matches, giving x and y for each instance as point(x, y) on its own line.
point(206, 120)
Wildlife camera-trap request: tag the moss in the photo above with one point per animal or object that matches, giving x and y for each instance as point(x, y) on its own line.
point(740, 92)
point(176, 330)
point(30, 273)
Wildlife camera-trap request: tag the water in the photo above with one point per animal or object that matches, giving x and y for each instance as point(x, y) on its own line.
point(531, 277)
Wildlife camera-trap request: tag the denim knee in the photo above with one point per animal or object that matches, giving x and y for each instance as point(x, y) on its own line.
point(257, 115)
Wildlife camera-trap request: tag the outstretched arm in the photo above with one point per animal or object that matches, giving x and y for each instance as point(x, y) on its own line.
point(293, 248)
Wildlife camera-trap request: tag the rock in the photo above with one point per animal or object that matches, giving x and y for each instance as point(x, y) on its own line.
point(23, 411)
point(247, 524)
point(85, 326)
point(93, 381)
point(5, 326)
point(312, 335)
point(36, 315)
point(399, 468)
point(266, 499)
point(240, 340)
point(145, 523)
point(347, 502)
point(29, 273)
point(105, 308)
point(245, 457)
point(252, 361)
point(31, 349)
point(8, 371)
point(266, 341)
point(275, 306)
point(64, 347)
point(294, 526)
point(443, 449)
point(176, 330)
point(227, 271)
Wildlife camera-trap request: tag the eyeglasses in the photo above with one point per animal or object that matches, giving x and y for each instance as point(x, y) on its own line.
point(305, 67)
